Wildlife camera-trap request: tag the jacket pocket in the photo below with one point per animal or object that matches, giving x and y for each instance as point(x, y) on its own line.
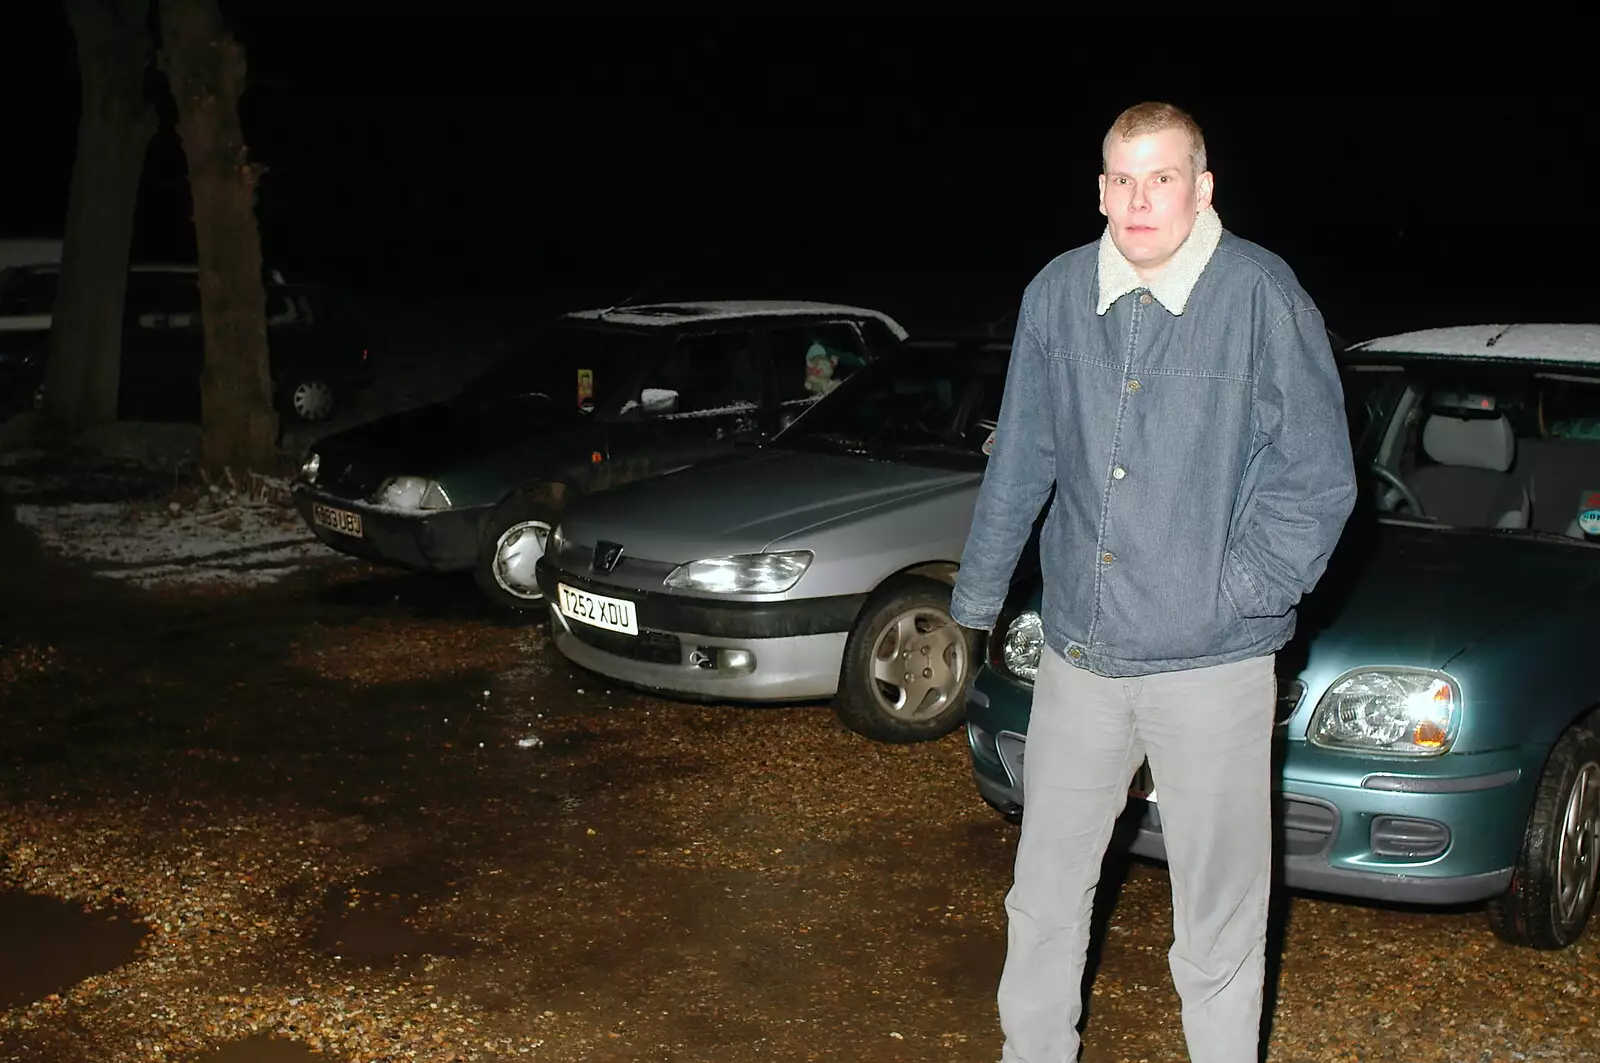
point(1242, 591)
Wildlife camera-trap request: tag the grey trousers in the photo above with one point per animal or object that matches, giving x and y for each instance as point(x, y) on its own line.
point(1208, 734)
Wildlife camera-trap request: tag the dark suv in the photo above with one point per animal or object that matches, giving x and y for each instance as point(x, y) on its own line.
point(318, 356)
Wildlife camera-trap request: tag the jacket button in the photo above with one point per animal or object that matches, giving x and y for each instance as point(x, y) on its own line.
point(1144, 300)
point(1118, 473)
point(1133, 385)
point(1074, 653)
point(1107, 557)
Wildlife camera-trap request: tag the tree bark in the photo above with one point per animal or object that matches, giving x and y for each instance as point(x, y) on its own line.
point(206, 68)
point(115, 124)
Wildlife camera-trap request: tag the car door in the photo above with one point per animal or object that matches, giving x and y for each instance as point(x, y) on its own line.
point(807, 360)
point(702, 398)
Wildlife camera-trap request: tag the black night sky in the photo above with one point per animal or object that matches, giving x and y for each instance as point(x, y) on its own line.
point(1413, 170)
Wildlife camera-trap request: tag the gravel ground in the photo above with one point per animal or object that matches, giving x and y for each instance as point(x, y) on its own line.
point(354, 814)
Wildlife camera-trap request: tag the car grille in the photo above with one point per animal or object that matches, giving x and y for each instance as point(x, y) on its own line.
point(653, 647)
point(1307, 827)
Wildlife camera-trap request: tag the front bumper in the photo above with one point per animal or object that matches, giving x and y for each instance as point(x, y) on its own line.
point(1373, 828)
point(704, 648)
point(441, 541)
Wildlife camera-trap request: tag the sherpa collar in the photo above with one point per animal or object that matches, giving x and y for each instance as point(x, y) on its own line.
point(1176, 282)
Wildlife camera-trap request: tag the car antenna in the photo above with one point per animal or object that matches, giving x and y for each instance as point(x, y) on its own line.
point(634, 298)
point(1496, 337)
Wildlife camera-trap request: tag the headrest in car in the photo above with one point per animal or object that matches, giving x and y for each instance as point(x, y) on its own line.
point(1476, 442)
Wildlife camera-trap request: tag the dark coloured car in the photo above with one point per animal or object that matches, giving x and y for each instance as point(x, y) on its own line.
point(1439, 709)
point(599, 398)
point(318, 353)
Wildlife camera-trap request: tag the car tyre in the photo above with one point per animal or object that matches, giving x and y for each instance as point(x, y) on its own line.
point(311, 400)
point(1553, 888)
point(513, 542)
point(906, 664)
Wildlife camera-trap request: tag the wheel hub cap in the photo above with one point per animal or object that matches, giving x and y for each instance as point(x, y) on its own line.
point(919, 664)
point(1578, 855)
point(516, 555)
point(313, 400)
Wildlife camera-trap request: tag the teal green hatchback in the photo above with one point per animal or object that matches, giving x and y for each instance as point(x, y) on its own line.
point(1439, 708)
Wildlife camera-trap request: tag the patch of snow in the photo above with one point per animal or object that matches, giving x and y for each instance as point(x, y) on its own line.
point(1531, 342)
point(240, 542)
point(736, 407)
point(659, 314)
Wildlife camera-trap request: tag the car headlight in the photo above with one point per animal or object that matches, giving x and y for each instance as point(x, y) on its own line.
point(742, 573)
point(1023, 646)
point(411, 492)
point(310, 467)
point(1407, 711)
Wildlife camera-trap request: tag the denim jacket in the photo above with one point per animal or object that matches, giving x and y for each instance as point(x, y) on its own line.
point(1195, 433)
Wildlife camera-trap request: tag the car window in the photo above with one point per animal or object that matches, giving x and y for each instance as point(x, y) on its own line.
point(927, 402)
point(1539, 470)
point(881, 339)
point(567, 366)
point(1370, 396)
point(1569, 407)
point(702, 374)
point(811, 360)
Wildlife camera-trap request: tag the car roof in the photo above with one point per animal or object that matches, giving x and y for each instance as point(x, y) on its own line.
point(1576, 343)
point(666, 315)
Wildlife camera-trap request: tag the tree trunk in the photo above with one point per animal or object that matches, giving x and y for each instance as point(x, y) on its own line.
point(206, 69)
point(114, 130)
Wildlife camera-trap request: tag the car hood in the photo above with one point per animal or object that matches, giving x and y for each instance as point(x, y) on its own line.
point(1423, 596)
point(746, 502)
point(431, 440)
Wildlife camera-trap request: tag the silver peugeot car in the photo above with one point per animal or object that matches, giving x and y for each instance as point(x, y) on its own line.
point(817, 566)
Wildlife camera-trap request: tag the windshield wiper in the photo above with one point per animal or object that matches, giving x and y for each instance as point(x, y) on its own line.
point(1534, 533)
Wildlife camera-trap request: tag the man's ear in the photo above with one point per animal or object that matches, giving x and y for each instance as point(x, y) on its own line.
point(1102, 193)
point(1204, 185)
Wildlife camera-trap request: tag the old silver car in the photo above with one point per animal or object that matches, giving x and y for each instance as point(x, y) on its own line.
point(814, 567)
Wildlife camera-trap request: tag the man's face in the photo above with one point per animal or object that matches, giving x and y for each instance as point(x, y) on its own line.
point(1150, 195)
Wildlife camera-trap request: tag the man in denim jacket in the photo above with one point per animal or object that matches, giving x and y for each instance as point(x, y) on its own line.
point(1176, 386)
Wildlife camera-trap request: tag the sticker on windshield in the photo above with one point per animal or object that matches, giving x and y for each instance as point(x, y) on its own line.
point(1589, 514)
point(585, 387)
point(988, 443)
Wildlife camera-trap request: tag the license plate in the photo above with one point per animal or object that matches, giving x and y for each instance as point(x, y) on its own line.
point(596, 610)
point(340, 520)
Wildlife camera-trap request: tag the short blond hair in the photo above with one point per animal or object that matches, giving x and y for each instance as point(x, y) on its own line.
point(1145, 118)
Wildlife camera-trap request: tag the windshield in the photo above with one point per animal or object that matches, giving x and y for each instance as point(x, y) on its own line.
point(569, 366)
point(932, 403)
point(1505, 448)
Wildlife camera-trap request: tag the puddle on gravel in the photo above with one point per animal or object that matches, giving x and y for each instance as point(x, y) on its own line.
point(48, 945)
point(264, 1049)
point(370, 918)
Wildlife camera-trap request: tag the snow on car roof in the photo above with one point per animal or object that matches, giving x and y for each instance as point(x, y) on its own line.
point(1533, 342)
point(648, 314)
